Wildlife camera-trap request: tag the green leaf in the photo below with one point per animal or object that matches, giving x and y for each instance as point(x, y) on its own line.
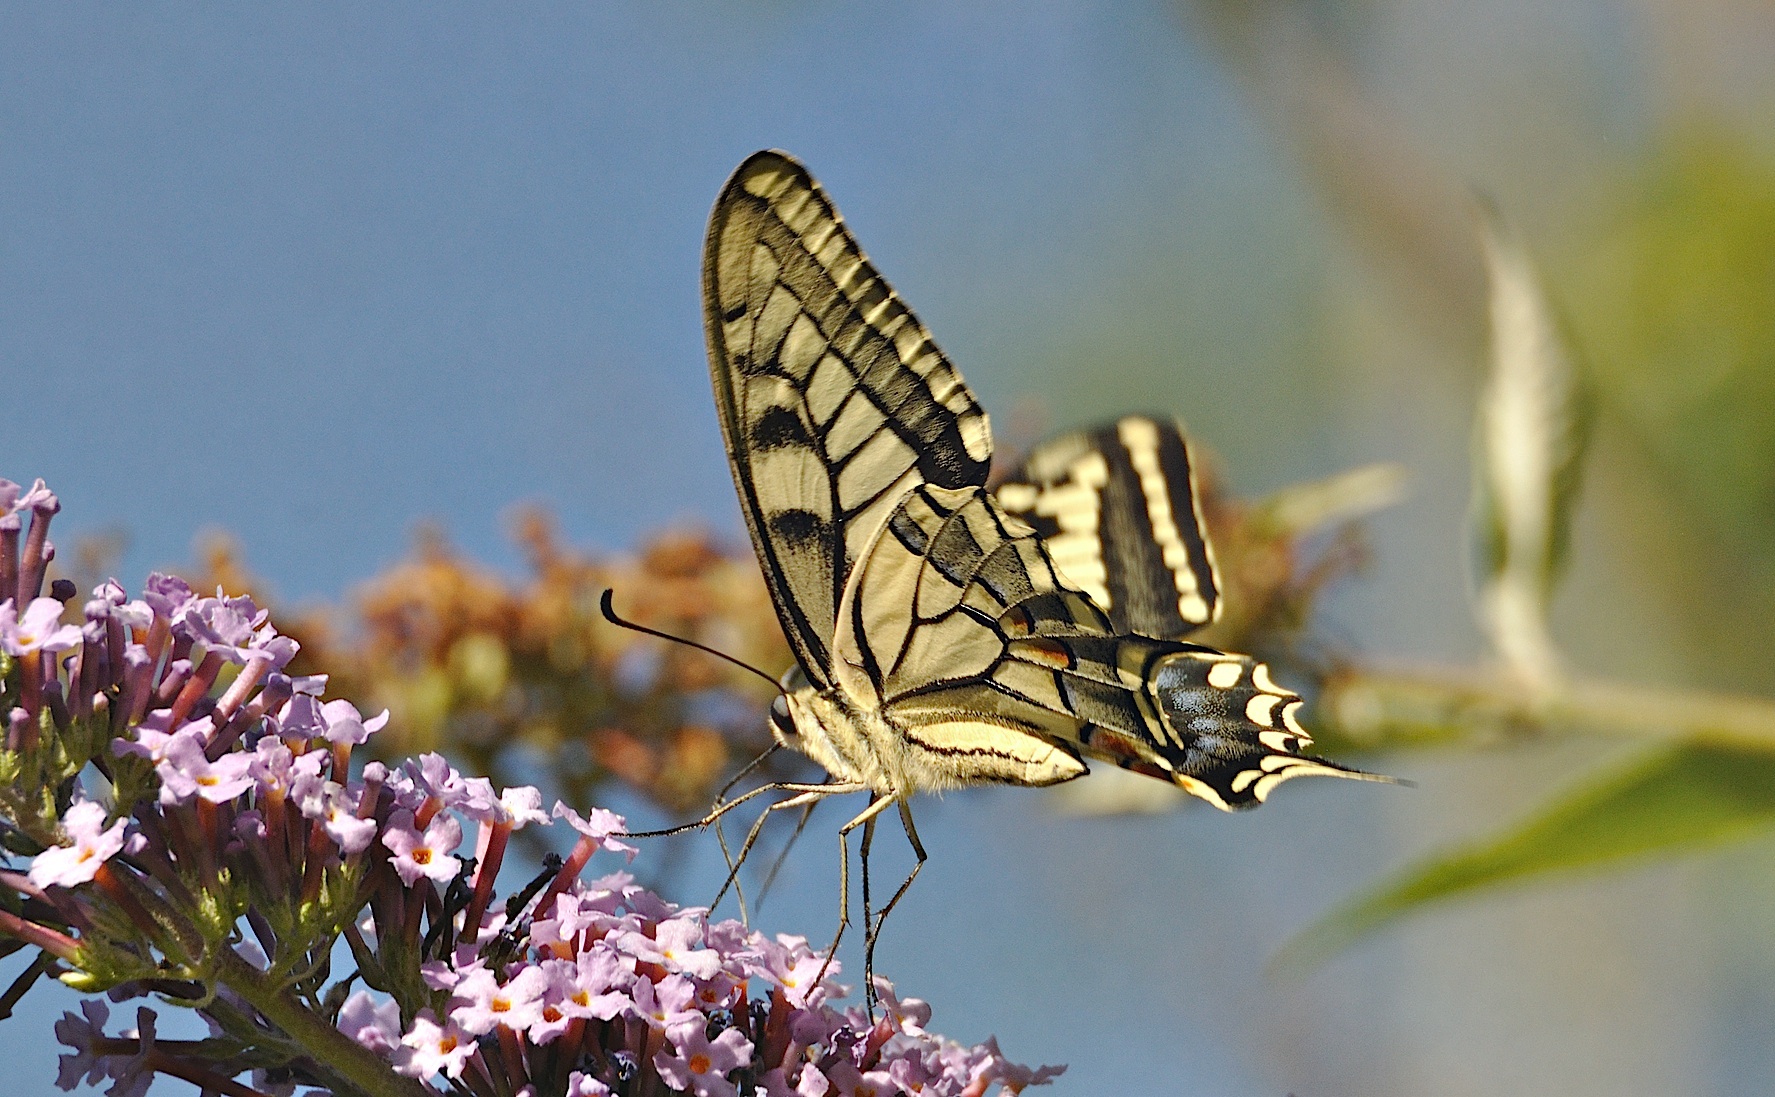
point(1671, 800)
point(1532, 430)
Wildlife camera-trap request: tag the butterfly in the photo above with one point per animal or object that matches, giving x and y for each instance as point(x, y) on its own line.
point(946, 637)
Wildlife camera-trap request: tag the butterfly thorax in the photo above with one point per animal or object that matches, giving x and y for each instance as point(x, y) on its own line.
point(847, 740)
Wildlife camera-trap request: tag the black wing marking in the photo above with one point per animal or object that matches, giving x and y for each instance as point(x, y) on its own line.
point(833, 399)
point(1117, 508)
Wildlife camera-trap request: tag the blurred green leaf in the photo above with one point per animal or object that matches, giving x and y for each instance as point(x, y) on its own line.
point(1670, 800)
point(1529, 442)
point(1677, 302)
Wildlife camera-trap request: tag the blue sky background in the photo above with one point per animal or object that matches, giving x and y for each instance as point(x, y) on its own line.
point(313, 274)
point(347, 267)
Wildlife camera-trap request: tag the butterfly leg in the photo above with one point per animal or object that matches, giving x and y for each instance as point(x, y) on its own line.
point(723, 807)
point(867, 815)
point(918, 851)
point(803, 799)
point(869, 924)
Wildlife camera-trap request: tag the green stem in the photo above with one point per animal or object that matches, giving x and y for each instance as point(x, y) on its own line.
point(1409, 706)
point(334, 1052)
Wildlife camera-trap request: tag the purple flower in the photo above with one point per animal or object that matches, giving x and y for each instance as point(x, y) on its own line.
point(335, 808)
point(666, 1003)
point(111, 603)
point(67, 866)
point(235, 629)
point(435, 1047)
point(555, 1018)
point(595, 983)
point(167, 595)
point(521, 805)
point(442, 975)
point(427, 854)
point(434, 776)
point(598, 825)
point(909, 1015)
point(302, 717)
point(1012, 1076)
point(431, 777)
point(700, 1065)
point(791, 964)
point(272, 767)
point(675, 947)
point(336, 721)
point(910, 1073)
point(40, 629)
point(487, 1003)
point(345, 724)
point(152, 739)
point(133, 1074)
point(79, 1033)
point(249, 826)
point(306, 777)
point(853, 1082)
point(186, 772)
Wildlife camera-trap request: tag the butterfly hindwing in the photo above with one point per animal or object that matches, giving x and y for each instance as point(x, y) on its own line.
point(833, 400)
point(1000, 671)
point(1118, 510)
point(922, 637)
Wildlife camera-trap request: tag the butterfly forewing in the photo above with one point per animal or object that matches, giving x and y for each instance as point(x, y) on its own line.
point(834, 401)
point(1118, 510)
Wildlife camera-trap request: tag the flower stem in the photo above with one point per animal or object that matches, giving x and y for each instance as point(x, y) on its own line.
point(1406, 706)
point(60, 945)
point(337, 1055)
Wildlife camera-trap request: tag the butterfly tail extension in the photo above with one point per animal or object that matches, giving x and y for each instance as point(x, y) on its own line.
point(1230, 733)
point(1215, 725)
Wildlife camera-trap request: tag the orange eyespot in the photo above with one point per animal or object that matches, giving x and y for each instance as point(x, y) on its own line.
point(1045, 652)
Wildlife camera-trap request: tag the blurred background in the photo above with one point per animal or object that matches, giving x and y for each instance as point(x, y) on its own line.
point(315, 278)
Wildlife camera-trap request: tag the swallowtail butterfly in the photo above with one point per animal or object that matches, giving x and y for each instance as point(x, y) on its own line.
point(938, 643)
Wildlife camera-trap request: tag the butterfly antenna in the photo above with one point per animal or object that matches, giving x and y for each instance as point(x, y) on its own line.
point(609, 612)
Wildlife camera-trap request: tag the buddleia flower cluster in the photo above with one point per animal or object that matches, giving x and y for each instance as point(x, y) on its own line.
point(194, 828)
point(497, 669)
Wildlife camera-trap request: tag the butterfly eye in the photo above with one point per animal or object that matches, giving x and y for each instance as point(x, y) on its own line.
point(780, 720)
